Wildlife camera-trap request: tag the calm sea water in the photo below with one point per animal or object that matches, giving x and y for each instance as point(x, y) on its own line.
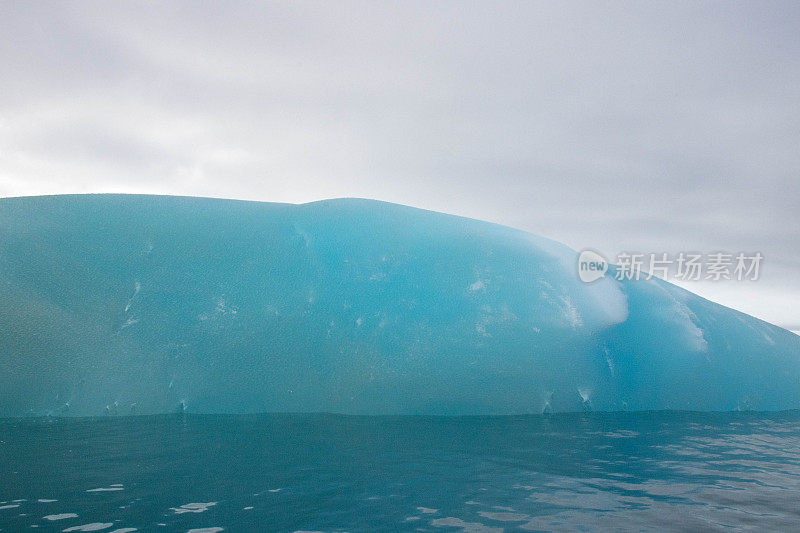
point(682, 471)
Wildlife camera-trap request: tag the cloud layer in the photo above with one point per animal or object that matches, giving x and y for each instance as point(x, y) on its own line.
point(618, 126)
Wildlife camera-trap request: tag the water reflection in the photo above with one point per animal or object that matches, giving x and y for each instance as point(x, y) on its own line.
point(330, 473)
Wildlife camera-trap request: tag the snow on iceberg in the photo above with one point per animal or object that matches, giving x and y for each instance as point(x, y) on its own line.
point(117, 304)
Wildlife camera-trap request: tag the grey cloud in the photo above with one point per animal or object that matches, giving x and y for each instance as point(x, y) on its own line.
point(618, 126)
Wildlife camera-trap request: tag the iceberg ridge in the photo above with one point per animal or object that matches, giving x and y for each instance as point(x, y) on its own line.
point(123, 304)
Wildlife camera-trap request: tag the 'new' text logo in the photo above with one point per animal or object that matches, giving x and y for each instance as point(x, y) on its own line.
point(591, 266)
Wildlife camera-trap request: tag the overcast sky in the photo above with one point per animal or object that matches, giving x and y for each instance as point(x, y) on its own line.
point(617, 126)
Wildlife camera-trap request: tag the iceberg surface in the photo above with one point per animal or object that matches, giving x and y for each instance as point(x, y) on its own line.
point(125, 304)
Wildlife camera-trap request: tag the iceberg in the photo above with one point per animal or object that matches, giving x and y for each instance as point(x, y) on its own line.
point(128, 304)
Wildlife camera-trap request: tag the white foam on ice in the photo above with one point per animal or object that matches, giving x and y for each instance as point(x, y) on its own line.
point(571, 313)
point(693, 332)
point(130, 322)
point(136, 289)
point(684, 318)
point(609, 362)
point(477, 286)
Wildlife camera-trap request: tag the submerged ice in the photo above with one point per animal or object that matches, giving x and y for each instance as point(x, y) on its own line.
point(115, 304)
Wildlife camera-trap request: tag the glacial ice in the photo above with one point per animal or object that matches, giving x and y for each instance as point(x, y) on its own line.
point(119, 304)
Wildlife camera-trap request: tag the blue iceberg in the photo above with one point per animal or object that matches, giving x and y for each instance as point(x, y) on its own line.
point(119, 304)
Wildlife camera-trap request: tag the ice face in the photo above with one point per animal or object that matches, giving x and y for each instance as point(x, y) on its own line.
point(115, 304)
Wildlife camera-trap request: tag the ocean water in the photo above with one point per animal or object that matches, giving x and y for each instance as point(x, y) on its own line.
point(629, 471)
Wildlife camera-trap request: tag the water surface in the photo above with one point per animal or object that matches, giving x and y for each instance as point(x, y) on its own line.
point(628, 471)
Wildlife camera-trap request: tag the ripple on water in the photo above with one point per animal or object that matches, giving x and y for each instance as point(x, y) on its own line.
point(669, 475)
point(62, 516)
point(505, 516)
point(193, 507)
point(468, 527)
point(94, 526)
point(110, 488)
